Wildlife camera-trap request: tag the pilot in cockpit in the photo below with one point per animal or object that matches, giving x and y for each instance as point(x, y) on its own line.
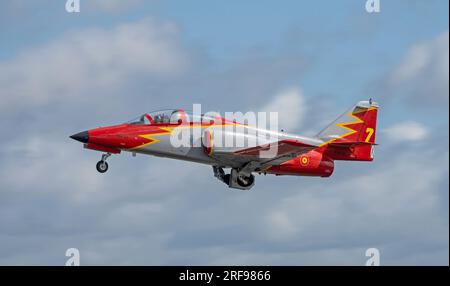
point(161, 118)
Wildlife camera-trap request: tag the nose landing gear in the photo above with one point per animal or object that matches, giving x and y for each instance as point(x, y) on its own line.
point(102, 166)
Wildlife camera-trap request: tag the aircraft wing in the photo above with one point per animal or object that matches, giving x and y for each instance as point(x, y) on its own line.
point(283, 147)
point(260, 157)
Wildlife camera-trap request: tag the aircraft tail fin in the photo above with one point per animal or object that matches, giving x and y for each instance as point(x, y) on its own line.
point(352, 135)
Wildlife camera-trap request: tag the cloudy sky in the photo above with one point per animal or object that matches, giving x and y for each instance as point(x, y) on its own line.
point(62, 73)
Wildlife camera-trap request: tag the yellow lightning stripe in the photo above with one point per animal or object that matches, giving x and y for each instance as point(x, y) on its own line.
point(344, 126)
point(168, 130)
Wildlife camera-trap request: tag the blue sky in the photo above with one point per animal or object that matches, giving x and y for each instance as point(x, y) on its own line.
point(61, 73)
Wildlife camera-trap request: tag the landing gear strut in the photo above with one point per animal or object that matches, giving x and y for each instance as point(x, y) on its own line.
point(102, 166)
point(220, 174)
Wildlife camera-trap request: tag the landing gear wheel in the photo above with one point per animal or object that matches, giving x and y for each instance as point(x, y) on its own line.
point(245, 181)
point(102, 166)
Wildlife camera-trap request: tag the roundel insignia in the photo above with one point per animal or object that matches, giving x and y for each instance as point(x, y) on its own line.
point(304, 160)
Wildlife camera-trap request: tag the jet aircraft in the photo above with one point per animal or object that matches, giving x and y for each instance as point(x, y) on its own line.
point(350, 137)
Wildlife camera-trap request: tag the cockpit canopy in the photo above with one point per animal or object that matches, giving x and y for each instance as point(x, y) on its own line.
point(167, 116)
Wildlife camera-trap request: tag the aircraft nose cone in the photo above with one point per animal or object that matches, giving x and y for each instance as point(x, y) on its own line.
point(82, 136)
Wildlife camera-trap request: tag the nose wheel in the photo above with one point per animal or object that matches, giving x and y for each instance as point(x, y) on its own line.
point(102, 166)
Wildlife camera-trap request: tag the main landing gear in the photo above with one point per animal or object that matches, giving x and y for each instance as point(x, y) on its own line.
point(236, 179)
point(102, 166)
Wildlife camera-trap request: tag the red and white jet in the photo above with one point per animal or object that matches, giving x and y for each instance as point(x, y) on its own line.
point(350, 137)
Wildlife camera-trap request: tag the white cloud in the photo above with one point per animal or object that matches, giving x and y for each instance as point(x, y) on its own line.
point(423, 73)
point(281, 225)
point(406, 131)
point(91, 60)
point(291, 107)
